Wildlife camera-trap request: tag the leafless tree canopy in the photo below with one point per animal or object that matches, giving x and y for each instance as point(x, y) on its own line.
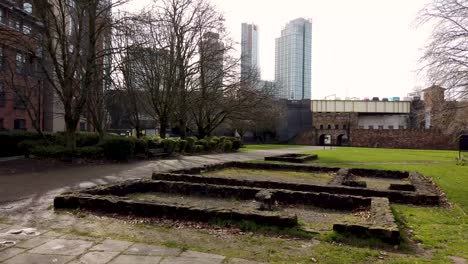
point(446, 56)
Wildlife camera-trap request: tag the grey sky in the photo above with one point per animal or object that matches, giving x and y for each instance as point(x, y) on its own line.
point(360, 48)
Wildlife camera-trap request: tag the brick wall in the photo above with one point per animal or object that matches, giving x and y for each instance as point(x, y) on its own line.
point(405, 138)
point(384, 138)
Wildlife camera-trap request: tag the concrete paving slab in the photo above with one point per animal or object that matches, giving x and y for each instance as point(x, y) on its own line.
point(63, 247)
point(126, 259)
point(33, 242)
point(38, 259)
point(188, 260)
point(143, 249)
point(10, 252)
point(112, 246)
point(4, 226)
point(195, 254)
point(95, 257)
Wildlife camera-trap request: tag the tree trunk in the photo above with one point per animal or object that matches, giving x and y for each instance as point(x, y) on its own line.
point(163, 128)
point(70, 134)
point(183, 129)
point(201, 132)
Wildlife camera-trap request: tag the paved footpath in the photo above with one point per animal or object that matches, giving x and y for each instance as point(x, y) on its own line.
point(30, 246)
point(26, 198)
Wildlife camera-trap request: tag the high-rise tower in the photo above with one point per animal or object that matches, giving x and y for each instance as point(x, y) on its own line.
point(293, 59)
point(249, 51)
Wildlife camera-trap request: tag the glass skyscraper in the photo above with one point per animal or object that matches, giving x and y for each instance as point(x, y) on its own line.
point(249, 50)
point(293, 60)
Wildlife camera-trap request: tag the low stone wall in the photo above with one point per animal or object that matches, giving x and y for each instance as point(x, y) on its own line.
point(384, 227)
point(391, 174)
point(242, 191)
point(394, 196)
point(294, 158)
point(117, 205)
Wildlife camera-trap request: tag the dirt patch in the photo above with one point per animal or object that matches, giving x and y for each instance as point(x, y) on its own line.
point(275, 175)
point(381, 183)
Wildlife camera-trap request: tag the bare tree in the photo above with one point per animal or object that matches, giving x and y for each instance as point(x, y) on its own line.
point(446, 56)
point(73, 45)
point(127, 93)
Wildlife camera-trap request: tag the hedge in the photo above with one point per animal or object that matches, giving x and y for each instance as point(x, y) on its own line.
point(112, 147)
point(118, 148)
point(60, 152)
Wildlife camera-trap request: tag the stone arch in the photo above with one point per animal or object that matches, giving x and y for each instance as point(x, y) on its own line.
point(341, 140)
point(324, 138)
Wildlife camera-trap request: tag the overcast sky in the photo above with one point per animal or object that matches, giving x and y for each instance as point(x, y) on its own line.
point(360, 48)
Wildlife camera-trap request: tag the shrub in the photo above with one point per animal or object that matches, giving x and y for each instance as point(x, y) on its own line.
point(60, 152)
point(26, 146)
point(169, 145)
point(85, 139)
point(141, 145)
point(53, 151)
point(154, 138)
point(227, 146)
point(236, 144)
point(90, 152)
point(204, 143)
point(118, 148)
point(182, 145)
point(190, 147)
point(199, 148)
point(9, 141)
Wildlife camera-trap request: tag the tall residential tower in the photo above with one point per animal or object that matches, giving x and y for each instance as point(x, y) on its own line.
point(293, 59)
point(249, 50)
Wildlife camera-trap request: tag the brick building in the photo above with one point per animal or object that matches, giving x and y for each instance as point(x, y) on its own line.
point(22, 83)
point(428, 123)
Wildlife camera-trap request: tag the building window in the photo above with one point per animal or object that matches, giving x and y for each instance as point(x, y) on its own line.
point(1, 124)
point(361, 127)
point(329, 127)
point(26, 29)
point(15, 23)
point(344, 126)
point(337, 127)
point(390, 127)
point(20, 124)
point(380, 127)
point(321, 126)
point(371, 127)
point(82, 126)
point(2, 16)
point(20, 99)
point(20, 63)
point(427, 119)
point(401, 127)
point(2, 94)
point(27, 7)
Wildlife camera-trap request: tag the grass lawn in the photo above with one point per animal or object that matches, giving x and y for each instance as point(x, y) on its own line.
point(442, 232)
point(252, 147)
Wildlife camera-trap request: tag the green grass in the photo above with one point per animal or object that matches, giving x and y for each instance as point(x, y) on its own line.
point(253, 147)
point(442, 231)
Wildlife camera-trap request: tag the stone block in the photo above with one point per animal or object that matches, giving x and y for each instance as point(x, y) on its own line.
point(143, 249)
point(95, 257)
point(63, 247)
point(10, 252)
point(127, 259)
point(112, 246)
point(31, 258)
